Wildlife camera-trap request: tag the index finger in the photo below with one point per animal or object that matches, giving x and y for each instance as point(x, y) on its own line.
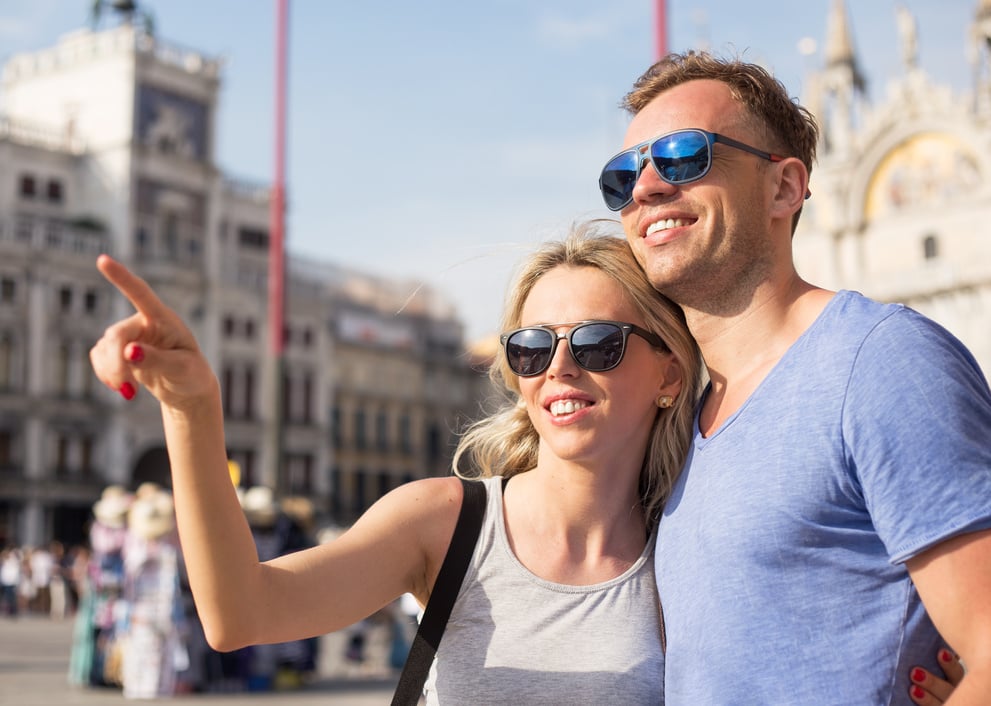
point(137, 291)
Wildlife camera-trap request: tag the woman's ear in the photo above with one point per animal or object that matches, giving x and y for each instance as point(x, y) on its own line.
point(671, 382)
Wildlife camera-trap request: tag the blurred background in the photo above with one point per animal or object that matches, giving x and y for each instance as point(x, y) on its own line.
point(423, 149)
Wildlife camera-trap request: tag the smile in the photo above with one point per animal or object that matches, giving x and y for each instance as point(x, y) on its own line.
point(667, 224)
point(562, 407)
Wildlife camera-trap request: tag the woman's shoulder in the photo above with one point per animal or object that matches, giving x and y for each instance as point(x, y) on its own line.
point(437, 494)
point(427, 509)
point(433, 494)
point(428, 506)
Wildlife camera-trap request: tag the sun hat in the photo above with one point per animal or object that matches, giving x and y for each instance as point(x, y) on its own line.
point(152, 516)
point(111, 509)
point(259, 506)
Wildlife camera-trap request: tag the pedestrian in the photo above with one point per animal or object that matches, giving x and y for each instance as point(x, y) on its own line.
point(10, 580)
point(151, 628)
point(76, 563)
point(60, 606)
point(27, 591)
point(43, 568)
point(93, 660)
point(602, 377)
point(834, 509)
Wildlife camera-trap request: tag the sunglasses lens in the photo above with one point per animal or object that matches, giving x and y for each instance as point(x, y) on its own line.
point(618, 179)
point(681, 157)
point(597, 347)
point(528, 352)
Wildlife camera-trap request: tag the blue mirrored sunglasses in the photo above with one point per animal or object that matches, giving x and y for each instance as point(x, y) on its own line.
point(596, 346)
point(678, 157)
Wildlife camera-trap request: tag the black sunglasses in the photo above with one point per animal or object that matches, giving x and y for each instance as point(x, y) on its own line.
point(679, 157)
point(596, 346)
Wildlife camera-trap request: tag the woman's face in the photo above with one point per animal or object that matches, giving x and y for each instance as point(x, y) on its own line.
point(593, 418)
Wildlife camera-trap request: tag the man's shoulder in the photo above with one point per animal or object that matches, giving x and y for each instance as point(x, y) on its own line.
point(852, 304)
point(860, 315)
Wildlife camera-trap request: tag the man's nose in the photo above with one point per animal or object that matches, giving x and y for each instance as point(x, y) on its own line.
point(649, 184)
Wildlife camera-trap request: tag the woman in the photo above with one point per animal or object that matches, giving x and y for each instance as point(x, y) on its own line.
point(559, 604)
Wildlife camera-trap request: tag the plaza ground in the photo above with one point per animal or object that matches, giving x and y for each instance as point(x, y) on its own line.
point(34, 662)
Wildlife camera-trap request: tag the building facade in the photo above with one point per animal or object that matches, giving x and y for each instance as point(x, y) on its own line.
point(106, 145)
point(902, 191)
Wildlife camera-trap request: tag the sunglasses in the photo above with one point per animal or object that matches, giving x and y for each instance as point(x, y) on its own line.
point(596, 346)
point(679, 157)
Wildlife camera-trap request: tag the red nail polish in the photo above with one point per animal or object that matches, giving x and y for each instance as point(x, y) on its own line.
point(136, 354)
point(918, 675)
point(918, 692)
point(945, 656)
point(127, 391)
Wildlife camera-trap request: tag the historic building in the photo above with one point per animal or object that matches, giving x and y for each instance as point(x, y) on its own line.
point(902, 191)
point(107, 145)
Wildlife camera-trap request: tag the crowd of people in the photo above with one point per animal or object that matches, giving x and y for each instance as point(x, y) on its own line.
point(41, 580)
point(136, 627)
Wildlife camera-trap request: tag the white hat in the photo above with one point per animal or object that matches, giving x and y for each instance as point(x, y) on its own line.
point(152, 515)
point(259, 506)
point(147, 488)
point(111, 508)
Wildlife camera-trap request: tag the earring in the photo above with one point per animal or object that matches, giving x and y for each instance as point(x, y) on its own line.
point(665, 401)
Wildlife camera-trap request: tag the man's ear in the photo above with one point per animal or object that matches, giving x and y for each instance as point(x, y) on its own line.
point(791, 187)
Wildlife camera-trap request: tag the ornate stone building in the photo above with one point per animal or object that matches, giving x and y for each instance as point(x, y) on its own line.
point(107, 142)
point(902, 191)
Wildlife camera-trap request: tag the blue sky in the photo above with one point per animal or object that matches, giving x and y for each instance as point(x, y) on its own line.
point(441, 140)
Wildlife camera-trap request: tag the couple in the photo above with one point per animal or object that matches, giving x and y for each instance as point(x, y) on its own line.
point(832, 508)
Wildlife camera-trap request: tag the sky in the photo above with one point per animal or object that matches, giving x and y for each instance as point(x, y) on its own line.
point(442, 140)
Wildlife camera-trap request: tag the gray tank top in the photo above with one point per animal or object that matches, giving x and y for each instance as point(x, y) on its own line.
point(514, 638)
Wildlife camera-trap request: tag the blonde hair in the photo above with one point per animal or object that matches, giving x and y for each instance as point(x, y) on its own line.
point(506, 442)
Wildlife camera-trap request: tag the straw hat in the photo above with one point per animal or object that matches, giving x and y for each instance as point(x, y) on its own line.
point(152, 516)
point(111, 509)
point(147, 488)
point(300, 509)
point(259, 506)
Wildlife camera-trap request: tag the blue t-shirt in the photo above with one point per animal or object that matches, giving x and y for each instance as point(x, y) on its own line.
point(780, 553)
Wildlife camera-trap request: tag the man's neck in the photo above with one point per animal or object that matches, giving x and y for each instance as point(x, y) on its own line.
point(742, 348)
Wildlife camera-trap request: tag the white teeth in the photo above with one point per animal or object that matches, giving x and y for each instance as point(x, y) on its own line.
point(666, 224)
point(567, 407)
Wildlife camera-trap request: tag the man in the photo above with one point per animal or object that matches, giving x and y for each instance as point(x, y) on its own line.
point(836, 503)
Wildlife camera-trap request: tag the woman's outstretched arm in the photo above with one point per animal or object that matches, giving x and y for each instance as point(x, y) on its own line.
point(397, 546)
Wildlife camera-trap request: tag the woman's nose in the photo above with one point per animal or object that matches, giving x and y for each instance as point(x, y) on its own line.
point(562, 362)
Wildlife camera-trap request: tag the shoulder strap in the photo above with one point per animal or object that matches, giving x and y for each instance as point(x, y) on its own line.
point(438, 610)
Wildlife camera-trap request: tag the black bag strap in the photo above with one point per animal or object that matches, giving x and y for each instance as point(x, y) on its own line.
point(438, 610)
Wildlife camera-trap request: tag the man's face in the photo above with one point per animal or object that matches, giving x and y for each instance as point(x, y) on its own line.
point(697, 240)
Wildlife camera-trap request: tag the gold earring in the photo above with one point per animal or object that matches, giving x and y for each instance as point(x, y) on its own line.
point(665, 401)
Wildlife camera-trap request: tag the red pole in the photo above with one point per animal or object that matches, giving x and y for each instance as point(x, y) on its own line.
point(661, 29)
point(277, 204)
point(271, 472)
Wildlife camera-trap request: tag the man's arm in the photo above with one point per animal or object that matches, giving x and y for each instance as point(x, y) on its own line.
point(954, 581)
